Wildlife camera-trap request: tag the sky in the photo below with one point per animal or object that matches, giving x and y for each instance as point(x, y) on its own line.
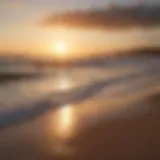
point(21, 30)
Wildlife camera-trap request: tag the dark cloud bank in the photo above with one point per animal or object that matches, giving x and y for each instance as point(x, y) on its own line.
point(114, 18)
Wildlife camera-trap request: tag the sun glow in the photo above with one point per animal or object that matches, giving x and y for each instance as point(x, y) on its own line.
point(61, 49)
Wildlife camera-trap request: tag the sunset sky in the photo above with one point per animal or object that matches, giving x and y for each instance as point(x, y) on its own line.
point(21, 31)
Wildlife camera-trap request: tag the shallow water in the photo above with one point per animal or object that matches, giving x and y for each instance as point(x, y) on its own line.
point(115, 81)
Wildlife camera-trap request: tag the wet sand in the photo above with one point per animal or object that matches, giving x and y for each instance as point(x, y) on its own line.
point(126, 138)
point(129, 138)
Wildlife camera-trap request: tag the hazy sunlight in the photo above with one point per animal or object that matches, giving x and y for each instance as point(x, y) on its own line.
point(61, 49)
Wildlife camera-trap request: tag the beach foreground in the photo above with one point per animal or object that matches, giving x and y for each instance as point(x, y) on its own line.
point(97, 112)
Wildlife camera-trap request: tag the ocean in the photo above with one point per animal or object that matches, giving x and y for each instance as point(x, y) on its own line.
point(62, 112)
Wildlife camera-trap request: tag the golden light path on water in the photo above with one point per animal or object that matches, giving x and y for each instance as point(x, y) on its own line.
point(64, 81)
point(61, 123)
point(64, 85)
point(65, 114)
point(65, 121)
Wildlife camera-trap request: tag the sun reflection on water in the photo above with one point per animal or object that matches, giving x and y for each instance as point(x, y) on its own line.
point(64, 84)
point(65, 121)
point(61, 123)
point(61, 128)
point(64, 81)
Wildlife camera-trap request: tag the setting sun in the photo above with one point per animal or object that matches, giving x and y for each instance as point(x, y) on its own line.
point(61, 48)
